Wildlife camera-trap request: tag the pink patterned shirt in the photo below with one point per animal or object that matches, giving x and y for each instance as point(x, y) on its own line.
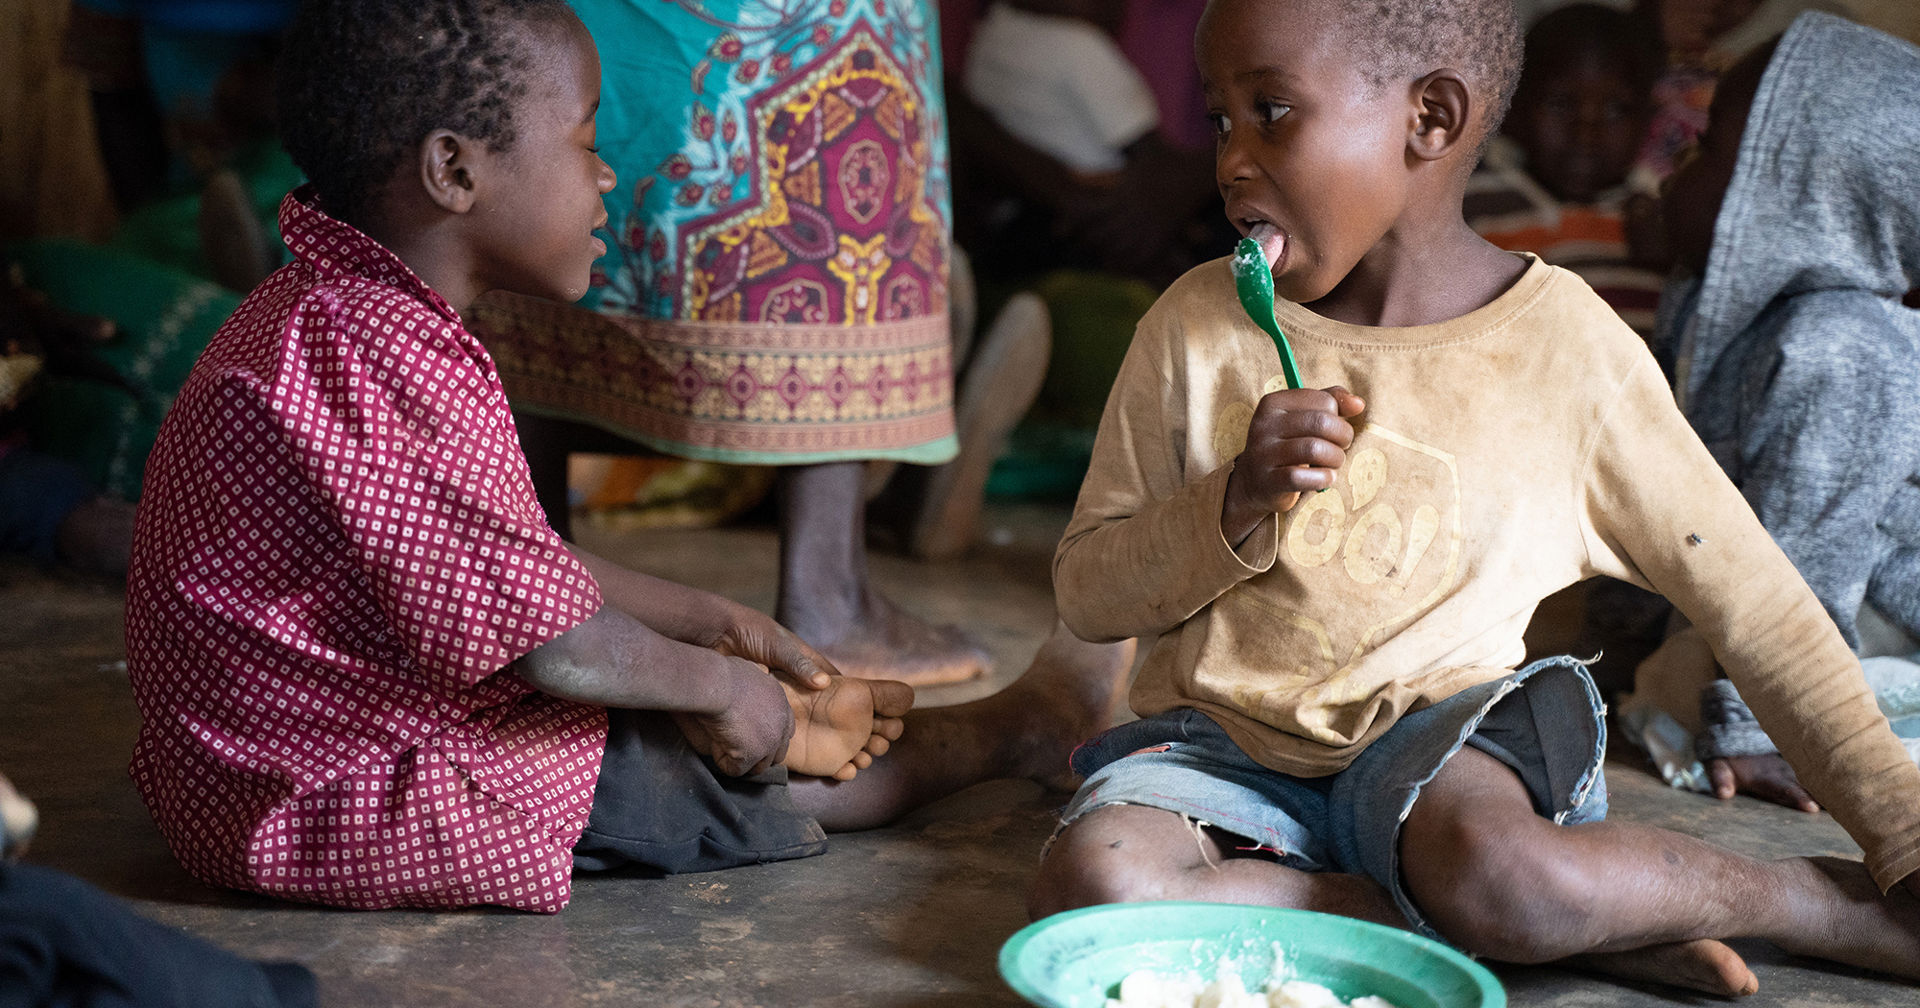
point(338, 553)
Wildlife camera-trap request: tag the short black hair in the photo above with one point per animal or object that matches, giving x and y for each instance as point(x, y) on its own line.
point(362, 82)
point(1616, 36)
point(1400, 41)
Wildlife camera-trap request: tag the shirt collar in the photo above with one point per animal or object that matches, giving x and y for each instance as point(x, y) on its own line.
point(333, 248)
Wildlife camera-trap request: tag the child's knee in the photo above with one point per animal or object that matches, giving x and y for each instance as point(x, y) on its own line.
point(1509, 902)
point(1490, 875)
point(1105, 856)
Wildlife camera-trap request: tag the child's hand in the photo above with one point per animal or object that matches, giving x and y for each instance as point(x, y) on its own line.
point(1765, 777)
point(751, 733)
point(1295, 442)
point(754, 636)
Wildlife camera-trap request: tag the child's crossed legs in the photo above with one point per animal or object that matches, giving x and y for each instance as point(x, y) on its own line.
point(1488, 871)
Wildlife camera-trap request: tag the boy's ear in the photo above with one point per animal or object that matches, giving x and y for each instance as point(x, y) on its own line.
point(1442, 109)
point(446, 169)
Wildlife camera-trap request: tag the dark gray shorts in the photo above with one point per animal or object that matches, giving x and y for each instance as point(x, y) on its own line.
point(1545, 721)
point(661, 805)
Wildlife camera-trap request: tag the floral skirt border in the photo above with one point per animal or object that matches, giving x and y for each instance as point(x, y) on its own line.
point(747, 393)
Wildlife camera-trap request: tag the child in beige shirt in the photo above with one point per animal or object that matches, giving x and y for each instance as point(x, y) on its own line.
point(1339, 576)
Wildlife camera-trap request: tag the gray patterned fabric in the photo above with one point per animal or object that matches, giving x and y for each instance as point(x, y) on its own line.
point(1727, 727)
point(1796, 360)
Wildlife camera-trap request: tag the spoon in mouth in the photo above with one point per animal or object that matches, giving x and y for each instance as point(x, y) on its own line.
point(1253, 281)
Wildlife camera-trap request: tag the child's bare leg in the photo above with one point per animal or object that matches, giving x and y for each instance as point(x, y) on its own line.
point(1122, 853)
point(1503, 882)
point(1024, 731)
point(826, 598)
point(1134, 852)
point(838, 731)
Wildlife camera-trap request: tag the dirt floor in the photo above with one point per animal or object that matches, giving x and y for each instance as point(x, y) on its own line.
point(911, 915)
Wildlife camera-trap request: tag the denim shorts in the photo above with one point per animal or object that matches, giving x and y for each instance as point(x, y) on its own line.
point(1546, 722)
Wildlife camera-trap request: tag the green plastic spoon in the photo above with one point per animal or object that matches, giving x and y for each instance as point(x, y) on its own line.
point(1253, 279)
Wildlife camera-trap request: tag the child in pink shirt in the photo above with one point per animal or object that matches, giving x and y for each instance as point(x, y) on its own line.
point(370, 674)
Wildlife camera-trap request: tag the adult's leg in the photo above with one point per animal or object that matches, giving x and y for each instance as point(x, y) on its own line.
point(1024, 731)
point(826, 597)
point(1501, 881)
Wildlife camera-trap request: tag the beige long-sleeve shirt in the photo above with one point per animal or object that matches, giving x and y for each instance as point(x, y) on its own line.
point(1502, 456)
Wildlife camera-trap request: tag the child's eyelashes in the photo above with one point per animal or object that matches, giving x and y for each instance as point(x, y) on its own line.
point(1265, 113)
point(1271, 111)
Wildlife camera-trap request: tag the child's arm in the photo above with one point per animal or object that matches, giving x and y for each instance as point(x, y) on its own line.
point(1658, 498)
point(614, 660)
point(706, 620)
point(838, 725)
point(1149, 543)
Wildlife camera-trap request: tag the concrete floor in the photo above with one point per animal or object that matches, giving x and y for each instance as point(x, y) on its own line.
point(909, 916)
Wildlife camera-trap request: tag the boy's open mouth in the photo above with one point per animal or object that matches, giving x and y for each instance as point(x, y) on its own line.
point(1272, 241)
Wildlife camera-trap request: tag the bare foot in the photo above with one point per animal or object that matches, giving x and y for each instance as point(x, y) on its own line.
point(1843, 917)
point(889, 643)
point(1065, 697)
point(837, 731)
point(1703, 965)
point(1024, 731)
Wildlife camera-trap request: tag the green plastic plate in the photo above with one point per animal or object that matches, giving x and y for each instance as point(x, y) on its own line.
point(1077, 959)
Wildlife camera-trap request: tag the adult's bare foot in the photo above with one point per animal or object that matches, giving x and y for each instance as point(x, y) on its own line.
point(1703, 965)
point(886, 642)
point(837, 731)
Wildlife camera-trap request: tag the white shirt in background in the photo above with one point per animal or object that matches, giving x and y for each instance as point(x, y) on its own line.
point(1060, 85)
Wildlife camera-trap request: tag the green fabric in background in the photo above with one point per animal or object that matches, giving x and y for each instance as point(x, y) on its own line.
point(153, 282)
point(165, 318)
point(1093, 317)
point(167, 231)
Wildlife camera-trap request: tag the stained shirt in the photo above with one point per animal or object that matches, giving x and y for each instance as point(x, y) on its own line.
point(337, 556)
point(1503, 455)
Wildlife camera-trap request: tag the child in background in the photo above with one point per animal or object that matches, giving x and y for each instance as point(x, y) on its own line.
point(1555, 182)
point(369, 672)
point(49, 510)
point(1702, 38)
point(1339, 577)
point(1796, 230)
